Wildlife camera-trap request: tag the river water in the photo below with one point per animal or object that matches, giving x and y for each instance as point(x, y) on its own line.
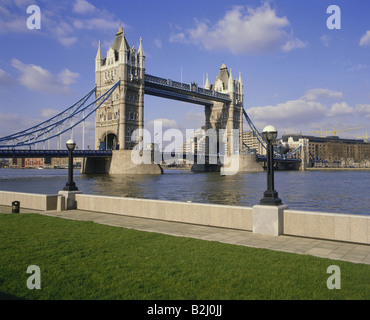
point(326, 191)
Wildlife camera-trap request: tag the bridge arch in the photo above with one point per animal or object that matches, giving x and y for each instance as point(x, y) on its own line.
point(108, 141)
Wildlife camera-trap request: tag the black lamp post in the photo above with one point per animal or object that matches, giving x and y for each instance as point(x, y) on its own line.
point(270, 196)
point(70, 186)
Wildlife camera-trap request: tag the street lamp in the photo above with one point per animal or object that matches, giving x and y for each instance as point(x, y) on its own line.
point(70, 186)
point(270, 196)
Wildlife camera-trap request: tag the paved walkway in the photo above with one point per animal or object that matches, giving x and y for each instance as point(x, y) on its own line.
point(336, 250)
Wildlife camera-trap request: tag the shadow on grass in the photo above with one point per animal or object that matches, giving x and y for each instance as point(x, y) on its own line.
point(7, 296)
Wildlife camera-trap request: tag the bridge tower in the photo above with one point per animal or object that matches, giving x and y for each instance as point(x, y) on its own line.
point(227, 116)
point(123, 112)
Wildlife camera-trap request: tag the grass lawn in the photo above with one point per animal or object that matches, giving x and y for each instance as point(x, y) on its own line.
point(85, 260)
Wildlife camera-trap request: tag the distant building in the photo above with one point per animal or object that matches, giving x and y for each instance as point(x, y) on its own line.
point(4, 163)
point(250, 141)
point(331, 151)
point(194, 144)
point(34, 163)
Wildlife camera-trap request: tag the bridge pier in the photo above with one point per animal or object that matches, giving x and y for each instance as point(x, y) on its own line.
point(239, 163)
point(205, 167)
point(123, 162)
point(134, 162)
point(248, 163)
point(95, 165)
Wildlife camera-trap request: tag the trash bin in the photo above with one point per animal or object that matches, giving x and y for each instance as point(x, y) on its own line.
point(15, 206)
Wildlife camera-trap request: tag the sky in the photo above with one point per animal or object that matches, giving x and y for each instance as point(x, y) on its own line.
point(300, 74)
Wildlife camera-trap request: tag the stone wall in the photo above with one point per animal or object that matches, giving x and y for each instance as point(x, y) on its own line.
point(30, 201)
point(330, 226)
point(269, 220)
point(195, 213)
point(341, 227)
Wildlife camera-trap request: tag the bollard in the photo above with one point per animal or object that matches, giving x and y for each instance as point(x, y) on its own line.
point(15, 206)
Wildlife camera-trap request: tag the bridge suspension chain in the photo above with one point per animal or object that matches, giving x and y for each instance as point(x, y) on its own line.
point(59, 124)
point(261, 140)
point(50, 122)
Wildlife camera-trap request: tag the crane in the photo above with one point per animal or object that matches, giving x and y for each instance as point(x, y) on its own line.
point(334, 132)
point(365, 137)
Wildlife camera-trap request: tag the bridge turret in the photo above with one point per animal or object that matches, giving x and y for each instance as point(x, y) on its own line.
point(122, 113)
point(231, 84)
point(207, 85)
point(141, 60)
point(99, 58)
point(123, 50)
point(226, 115)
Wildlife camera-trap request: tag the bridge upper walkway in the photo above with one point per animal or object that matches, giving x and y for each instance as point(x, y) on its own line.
point(192, 93)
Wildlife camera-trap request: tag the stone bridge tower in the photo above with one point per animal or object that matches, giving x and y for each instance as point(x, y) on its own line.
point(226, 116)
point(123, 112)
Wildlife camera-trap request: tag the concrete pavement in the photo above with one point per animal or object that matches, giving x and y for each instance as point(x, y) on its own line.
point(336, 250)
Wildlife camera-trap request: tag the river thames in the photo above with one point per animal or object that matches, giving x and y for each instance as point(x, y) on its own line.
point(326, 191)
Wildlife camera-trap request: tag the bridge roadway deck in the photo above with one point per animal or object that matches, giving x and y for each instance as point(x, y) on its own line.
point(108, 153)
point(53, 153)
point(335, 250)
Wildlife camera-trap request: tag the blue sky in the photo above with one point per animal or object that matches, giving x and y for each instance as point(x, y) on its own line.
point(298, 75)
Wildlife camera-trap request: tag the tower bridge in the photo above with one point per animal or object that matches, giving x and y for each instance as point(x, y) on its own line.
point(120, 85)
point(123, 113)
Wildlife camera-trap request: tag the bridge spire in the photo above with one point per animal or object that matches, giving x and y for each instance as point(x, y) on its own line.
point(207, 85)
point(141, 50)
point(120, 30)
point(99, 58)
point(231, 82)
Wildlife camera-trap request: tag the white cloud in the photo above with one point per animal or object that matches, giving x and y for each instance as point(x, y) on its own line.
point(96, 24)
point(166, 123)
point(39, 79)
point(193, 119)
point(158, 43)
point(311, 112)
point(298, 111)
point(365, 39)
point(23, 3)
point(13, 16)
point(58, 21)
point(68, 77)
point(83, 6)
point(293, 43)
point(363, 110)
point(11, 21)
point(11, 123)
point(357, 67)
point(179, 37)
point(341, 108)
point(49, 112)
point(62, 31)
point(314, 94)
point(6, 79)
point(242, 30)
point(325, 39)
point(67, 41)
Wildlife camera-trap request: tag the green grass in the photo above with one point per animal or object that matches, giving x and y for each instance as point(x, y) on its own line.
point(84, 260)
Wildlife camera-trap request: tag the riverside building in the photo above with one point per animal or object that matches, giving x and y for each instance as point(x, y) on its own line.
point(330, 151)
